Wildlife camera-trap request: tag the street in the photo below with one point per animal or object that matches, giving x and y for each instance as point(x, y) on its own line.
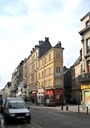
point(52, 117)
point(55, 118)
point(19, 124)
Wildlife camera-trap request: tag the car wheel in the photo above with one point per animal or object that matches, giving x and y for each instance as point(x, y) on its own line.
point(6, 120)
point(28, 120)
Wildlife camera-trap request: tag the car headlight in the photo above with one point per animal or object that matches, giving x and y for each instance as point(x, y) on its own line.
point(27, 114)
point(12, 115)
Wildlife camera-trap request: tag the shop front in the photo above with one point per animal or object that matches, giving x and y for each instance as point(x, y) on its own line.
point(56, 94)
point(85, 94)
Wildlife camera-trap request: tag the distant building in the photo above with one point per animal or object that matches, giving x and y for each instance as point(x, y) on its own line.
point(75, 85)
point(7, 90)
point(67, 82)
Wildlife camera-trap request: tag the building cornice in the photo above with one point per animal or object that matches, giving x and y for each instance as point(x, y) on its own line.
point(85, 30)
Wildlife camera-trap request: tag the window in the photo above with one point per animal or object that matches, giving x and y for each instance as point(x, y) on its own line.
point(42, 74)
point(45, 73)
point(42, 84)
point(48, 82)
point(88, 66)
point(49, 57)
point(45, 83)
point(45, 60)
point(58, 82)
point(87, 23)
point(57, 69)
point(88, 45)
point(39, 64)
point(49, 71)
point(58, 55)
point(39, 75)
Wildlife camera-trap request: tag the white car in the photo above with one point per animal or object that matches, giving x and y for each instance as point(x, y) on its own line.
point(15, 109)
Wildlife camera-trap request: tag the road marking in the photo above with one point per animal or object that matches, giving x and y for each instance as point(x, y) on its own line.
point(57, 114)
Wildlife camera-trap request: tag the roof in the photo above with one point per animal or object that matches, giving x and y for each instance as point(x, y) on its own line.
point(14, 99)
point(77, 61)
point(88, 14)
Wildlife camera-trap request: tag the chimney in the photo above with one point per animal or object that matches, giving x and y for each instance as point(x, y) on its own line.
point(40, 42)
point(46, 38)
point(59, 43)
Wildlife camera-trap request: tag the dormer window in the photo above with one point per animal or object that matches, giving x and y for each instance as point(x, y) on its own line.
point(87, 23)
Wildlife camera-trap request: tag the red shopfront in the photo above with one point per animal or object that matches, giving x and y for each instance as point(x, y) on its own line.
point(56, 94)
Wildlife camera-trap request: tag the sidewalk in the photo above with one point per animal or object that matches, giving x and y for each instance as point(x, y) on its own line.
point(69, 108)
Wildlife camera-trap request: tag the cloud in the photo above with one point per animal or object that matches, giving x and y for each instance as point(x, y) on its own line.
point(13, 8)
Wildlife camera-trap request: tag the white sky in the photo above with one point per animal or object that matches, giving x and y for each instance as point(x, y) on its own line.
point(24, 22)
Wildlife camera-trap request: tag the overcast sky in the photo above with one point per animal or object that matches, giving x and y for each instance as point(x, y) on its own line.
point(24, 22)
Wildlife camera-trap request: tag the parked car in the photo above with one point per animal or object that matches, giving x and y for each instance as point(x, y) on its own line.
point(70, 100)
point(15, 109)
point(49, 102)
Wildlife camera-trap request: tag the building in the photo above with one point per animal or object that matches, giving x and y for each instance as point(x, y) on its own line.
point(17, 80)
point(75, 85)
point(40, 75)
point(84, 78)
point(80, 70)
point(67, 82)
point(33, 66)
point(7, 90)
point(50, 74)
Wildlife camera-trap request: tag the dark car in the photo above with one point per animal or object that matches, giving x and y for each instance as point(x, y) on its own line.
point(70, 101)
point(15, 109)
point(49, 102)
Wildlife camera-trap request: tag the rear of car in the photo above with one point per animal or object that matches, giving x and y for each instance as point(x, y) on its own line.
point(49, 102)
point(15, 109)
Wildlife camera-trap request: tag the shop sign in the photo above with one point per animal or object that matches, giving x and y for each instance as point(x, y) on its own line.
point(58, 91)
point(85, 86)
point(49, 92)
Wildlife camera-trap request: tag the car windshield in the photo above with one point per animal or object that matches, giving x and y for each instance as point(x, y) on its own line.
point(16, 105)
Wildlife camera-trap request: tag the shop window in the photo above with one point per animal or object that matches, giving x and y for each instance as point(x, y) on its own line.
point(58, 97)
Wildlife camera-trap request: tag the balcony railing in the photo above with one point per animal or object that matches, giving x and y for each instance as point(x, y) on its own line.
point(58, 74)
point(84, 78)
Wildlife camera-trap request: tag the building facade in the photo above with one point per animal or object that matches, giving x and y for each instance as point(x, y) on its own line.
point(50, 75)
point(75, 84)
point(33, 66)
point(67, 82)
point(40, 75)
point(84, 78)
point(80, 70)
